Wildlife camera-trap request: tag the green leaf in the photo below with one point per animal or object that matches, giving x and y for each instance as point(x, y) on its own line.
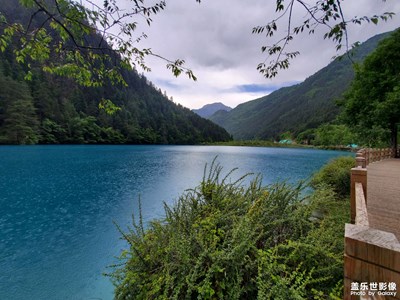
point(108, 106)
point(28, 76)
point(374, 20)
point(27, 3)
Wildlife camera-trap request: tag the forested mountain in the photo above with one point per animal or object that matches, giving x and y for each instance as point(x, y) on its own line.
point(209, 109)
point(296, 108)
point(50, 109)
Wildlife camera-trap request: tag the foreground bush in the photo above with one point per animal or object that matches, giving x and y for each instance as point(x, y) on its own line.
point(336, 174)
point(222, 240)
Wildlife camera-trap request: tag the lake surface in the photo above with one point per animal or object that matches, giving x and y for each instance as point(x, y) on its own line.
point(58, 205)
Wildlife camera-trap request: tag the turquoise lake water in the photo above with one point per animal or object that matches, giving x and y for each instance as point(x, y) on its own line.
point(58, 205)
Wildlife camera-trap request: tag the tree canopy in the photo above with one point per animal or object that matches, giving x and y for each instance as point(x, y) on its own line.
point(372, 104)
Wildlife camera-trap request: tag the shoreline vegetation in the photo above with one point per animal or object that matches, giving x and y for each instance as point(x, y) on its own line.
point(258, 143)
point(264, 143)
point(227, 240)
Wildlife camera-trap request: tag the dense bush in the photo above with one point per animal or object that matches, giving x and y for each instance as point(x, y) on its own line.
point(336, 174)
point(223, 240)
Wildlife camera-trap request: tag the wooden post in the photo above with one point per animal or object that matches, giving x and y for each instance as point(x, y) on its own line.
point(361, 162)
point(373, 155)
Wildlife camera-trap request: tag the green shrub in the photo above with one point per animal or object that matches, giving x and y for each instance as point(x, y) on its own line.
point(223, 240)
point(336, 174)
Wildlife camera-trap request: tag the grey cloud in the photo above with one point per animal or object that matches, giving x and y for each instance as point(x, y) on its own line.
point(215, 38)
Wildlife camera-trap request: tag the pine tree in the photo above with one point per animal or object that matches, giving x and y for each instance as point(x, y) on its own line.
point(17, 113)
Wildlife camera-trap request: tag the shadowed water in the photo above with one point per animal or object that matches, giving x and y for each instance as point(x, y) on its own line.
point(58, 204)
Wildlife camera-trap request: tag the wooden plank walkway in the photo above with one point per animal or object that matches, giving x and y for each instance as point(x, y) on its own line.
point(383, 196)
point(372, 245)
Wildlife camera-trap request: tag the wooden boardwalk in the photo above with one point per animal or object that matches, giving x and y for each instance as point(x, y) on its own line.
point(383, 190)
point(372, 240)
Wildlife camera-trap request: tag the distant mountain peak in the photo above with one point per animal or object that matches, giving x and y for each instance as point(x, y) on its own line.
point(209, 109)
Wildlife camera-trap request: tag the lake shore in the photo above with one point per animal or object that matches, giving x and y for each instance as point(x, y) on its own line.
point(261, 143)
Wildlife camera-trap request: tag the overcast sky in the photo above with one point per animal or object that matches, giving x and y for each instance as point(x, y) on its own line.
point(215, 39)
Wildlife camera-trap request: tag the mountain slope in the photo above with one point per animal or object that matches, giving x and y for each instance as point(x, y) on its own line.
point(51, 109)
point(209, 109)
point(295, 108)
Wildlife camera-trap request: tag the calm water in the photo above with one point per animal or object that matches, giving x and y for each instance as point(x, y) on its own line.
point(58, 204)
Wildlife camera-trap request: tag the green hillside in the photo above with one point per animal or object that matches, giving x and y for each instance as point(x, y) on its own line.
point(295, 108)
point(49, 109)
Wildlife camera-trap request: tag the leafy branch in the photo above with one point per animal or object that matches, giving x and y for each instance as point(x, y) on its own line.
point(92, 42)
point(322, 13)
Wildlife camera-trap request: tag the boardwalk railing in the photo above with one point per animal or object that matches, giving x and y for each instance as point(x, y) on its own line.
point(372, 256)
point(372, 155)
